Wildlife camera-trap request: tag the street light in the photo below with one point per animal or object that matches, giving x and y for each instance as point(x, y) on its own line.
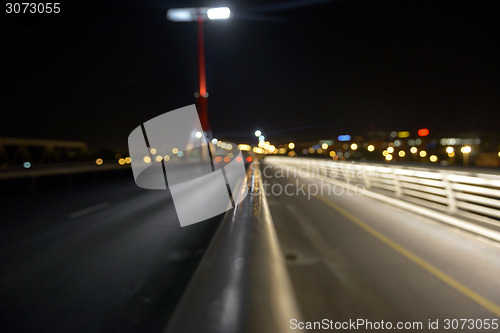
point(465, 150)
point(192, 14)
point(200, 14)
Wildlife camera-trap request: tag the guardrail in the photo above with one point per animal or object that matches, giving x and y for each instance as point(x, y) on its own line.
point(62, 169)
point(471, 195)
point(241, 284)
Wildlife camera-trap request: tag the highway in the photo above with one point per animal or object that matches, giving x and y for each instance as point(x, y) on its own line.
point(353, 257)
point(106, 257)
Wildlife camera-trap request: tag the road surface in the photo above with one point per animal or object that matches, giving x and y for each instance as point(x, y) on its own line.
point(106, 257)
point(351, 257)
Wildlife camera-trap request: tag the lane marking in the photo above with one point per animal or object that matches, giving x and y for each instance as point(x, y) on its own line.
point(89, 210)
point(467, 292)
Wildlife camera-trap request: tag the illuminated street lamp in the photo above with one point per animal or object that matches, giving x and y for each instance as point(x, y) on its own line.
point(465, 150)
point(200, 14)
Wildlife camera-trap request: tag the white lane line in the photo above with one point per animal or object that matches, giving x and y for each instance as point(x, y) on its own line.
point(88, 210)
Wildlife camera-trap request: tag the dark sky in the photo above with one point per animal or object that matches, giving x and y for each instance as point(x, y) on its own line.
point(295, 69)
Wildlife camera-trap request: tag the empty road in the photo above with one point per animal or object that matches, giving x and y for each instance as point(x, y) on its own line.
point(351, 257)
point(105, 257)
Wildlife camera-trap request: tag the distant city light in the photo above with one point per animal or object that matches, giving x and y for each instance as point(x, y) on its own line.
point(460, 141)
point(385, 153)
point(450, 150)
point(262, 138)
point(244, 147)
point(390, 150)
point(324, 145)
point(423, 153)
point(27, 165)
point(128, 160)
point(397, 143)
point(180, 153)
point(153, 151)
point(332, 153)
point(291, 145)
point(388, 157)
point(423, 132)
point(370, 148)
point(344, 137)
point(158, 158)
point(466, 149)
point(433, 158)
point(354, 146)
point(214, 141)
point(198, 134)
point(258, 150)
point(175, 150)
point(166, 158)
point(401, 153)
point(311, 150)
point(404, 134)
point(418, 142)
point(147, 159)
point(258, 133)
point(291, 153)
point(249, 159)
point(121, 161)
point(413, 150)
point(99, 161)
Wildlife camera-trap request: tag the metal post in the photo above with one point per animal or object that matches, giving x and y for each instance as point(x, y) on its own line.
point(201, 101)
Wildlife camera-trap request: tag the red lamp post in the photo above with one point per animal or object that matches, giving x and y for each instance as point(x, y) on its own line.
point(200, 15)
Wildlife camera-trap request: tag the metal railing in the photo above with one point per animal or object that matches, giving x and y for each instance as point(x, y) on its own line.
point(242, 284)
point(471, 195)
point(58, 169)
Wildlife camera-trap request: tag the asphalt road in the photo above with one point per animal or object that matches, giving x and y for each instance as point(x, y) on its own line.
point(106, 257)
point(351, 257)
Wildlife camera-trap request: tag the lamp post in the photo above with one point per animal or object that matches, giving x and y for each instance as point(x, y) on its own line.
point(200, 14)
point(465, 150)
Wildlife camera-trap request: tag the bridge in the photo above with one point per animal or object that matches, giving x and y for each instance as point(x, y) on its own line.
point(317, 239)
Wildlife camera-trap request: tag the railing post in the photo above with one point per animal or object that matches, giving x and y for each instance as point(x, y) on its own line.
point(398, 191)
point(450, 195)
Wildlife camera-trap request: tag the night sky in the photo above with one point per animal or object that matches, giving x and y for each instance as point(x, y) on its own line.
point(294, 69)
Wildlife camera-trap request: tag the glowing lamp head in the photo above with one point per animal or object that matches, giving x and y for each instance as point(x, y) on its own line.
point(219, 13)
point(466, 149)
point(193, 13)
